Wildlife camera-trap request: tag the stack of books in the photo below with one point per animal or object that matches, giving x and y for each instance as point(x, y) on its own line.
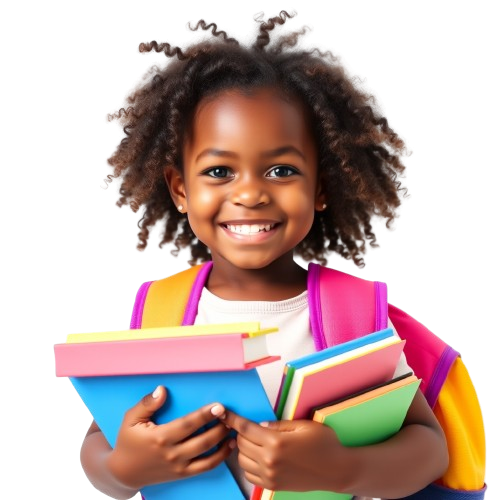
point(351, 388)
point(113, 371)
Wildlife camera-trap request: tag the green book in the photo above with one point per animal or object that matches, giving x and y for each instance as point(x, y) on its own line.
point(365, 418)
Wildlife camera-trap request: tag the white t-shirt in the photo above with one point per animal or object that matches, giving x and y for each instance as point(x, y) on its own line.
point(292, 340)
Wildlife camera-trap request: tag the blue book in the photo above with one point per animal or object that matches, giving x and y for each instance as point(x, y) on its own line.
point(108, 398)
point(335, 350)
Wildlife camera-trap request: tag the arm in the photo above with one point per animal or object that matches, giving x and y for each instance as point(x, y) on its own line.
point(146, 453)
point(305, 455)
point(94, 456)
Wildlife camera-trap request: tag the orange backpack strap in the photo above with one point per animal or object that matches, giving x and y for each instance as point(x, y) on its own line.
point(171, 301)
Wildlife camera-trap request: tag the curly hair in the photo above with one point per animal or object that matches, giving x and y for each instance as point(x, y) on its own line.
point(358, 153)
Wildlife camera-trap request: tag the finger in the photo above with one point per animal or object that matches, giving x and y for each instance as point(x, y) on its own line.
point(205, 463)
point(248, 465)
point(187, 425)
point(249, 448)
point(254, 479)
point(203, 442)
point(246, 428)
point(146, 407)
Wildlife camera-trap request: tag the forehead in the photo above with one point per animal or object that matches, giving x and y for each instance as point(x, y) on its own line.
point(264, 116)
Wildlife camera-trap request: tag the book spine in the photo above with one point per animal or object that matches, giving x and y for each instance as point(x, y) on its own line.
point(173, 355)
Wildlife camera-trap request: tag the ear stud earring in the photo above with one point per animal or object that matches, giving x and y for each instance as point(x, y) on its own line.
point(180, 208)
point(323, 206)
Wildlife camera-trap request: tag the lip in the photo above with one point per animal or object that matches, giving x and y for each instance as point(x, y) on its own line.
point(239, 222)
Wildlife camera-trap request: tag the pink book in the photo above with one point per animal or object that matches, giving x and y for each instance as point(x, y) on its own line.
point(210, 353)
point(341, 379)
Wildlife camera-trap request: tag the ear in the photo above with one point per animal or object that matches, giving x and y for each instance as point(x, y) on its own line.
point(320, 197)
point(176, 187)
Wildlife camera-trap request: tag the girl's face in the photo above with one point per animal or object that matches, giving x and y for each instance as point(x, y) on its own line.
point(249, 183)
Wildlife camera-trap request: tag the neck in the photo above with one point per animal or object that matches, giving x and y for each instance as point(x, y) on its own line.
point(280, 280)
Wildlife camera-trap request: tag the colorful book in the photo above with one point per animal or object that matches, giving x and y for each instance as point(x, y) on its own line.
point(225, 352)
point(336, 372)
point(371, 416)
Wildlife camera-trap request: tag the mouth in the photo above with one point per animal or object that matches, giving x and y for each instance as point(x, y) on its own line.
point(249, 229)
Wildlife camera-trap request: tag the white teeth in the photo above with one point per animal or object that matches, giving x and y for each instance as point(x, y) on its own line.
point(249, 228)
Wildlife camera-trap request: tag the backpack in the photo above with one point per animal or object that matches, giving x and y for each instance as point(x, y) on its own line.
point(360, 307)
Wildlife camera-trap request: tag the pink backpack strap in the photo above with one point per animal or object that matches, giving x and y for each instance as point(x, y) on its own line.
point(343, 307)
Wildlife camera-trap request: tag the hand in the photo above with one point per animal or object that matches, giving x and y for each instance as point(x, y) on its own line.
point(291, 455)
point(146, 453)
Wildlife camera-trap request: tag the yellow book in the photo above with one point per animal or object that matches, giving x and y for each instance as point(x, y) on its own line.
point(252, 329)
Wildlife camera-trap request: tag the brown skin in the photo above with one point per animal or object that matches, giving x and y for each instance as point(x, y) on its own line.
point(303, 455)
point(251, 159)
point(146, 453)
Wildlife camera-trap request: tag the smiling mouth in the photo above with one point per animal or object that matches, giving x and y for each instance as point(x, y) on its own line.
point(249, 229)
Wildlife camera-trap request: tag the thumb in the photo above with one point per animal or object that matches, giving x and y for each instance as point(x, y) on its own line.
point(147, 406)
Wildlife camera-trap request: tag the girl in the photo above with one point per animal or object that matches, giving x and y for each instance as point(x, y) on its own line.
point(251, 156)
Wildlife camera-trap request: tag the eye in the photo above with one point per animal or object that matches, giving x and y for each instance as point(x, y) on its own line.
point(282, 171)
point(218, 172)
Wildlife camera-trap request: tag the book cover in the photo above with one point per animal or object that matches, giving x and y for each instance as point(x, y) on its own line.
point(162, 355)
point(108, 398)
point(370, 417)
point(340, 376)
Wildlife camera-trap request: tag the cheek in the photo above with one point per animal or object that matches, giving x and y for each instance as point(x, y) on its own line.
point(202, 201)
point(202, 207)
point(300, 208)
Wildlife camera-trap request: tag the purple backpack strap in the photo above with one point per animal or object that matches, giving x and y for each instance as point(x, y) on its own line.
point(194, 297)
point(343, 307)
point(430, 357)
point(140, 300)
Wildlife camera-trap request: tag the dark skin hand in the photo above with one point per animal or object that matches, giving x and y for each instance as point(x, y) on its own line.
point(146, 453)
point(304, 455)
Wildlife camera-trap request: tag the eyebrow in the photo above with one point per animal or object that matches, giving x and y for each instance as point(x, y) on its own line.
point(267, 154)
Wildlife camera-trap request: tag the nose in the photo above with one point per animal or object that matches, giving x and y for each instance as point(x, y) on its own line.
point(250, 192)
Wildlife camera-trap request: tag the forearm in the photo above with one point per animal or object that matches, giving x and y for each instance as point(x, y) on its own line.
point(94, 457)
point(398, 467)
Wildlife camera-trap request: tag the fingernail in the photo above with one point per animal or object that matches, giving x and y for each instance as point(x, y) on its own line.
point(217, 410)
point(264, 424)
point(156, 393)
point(232, 444)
